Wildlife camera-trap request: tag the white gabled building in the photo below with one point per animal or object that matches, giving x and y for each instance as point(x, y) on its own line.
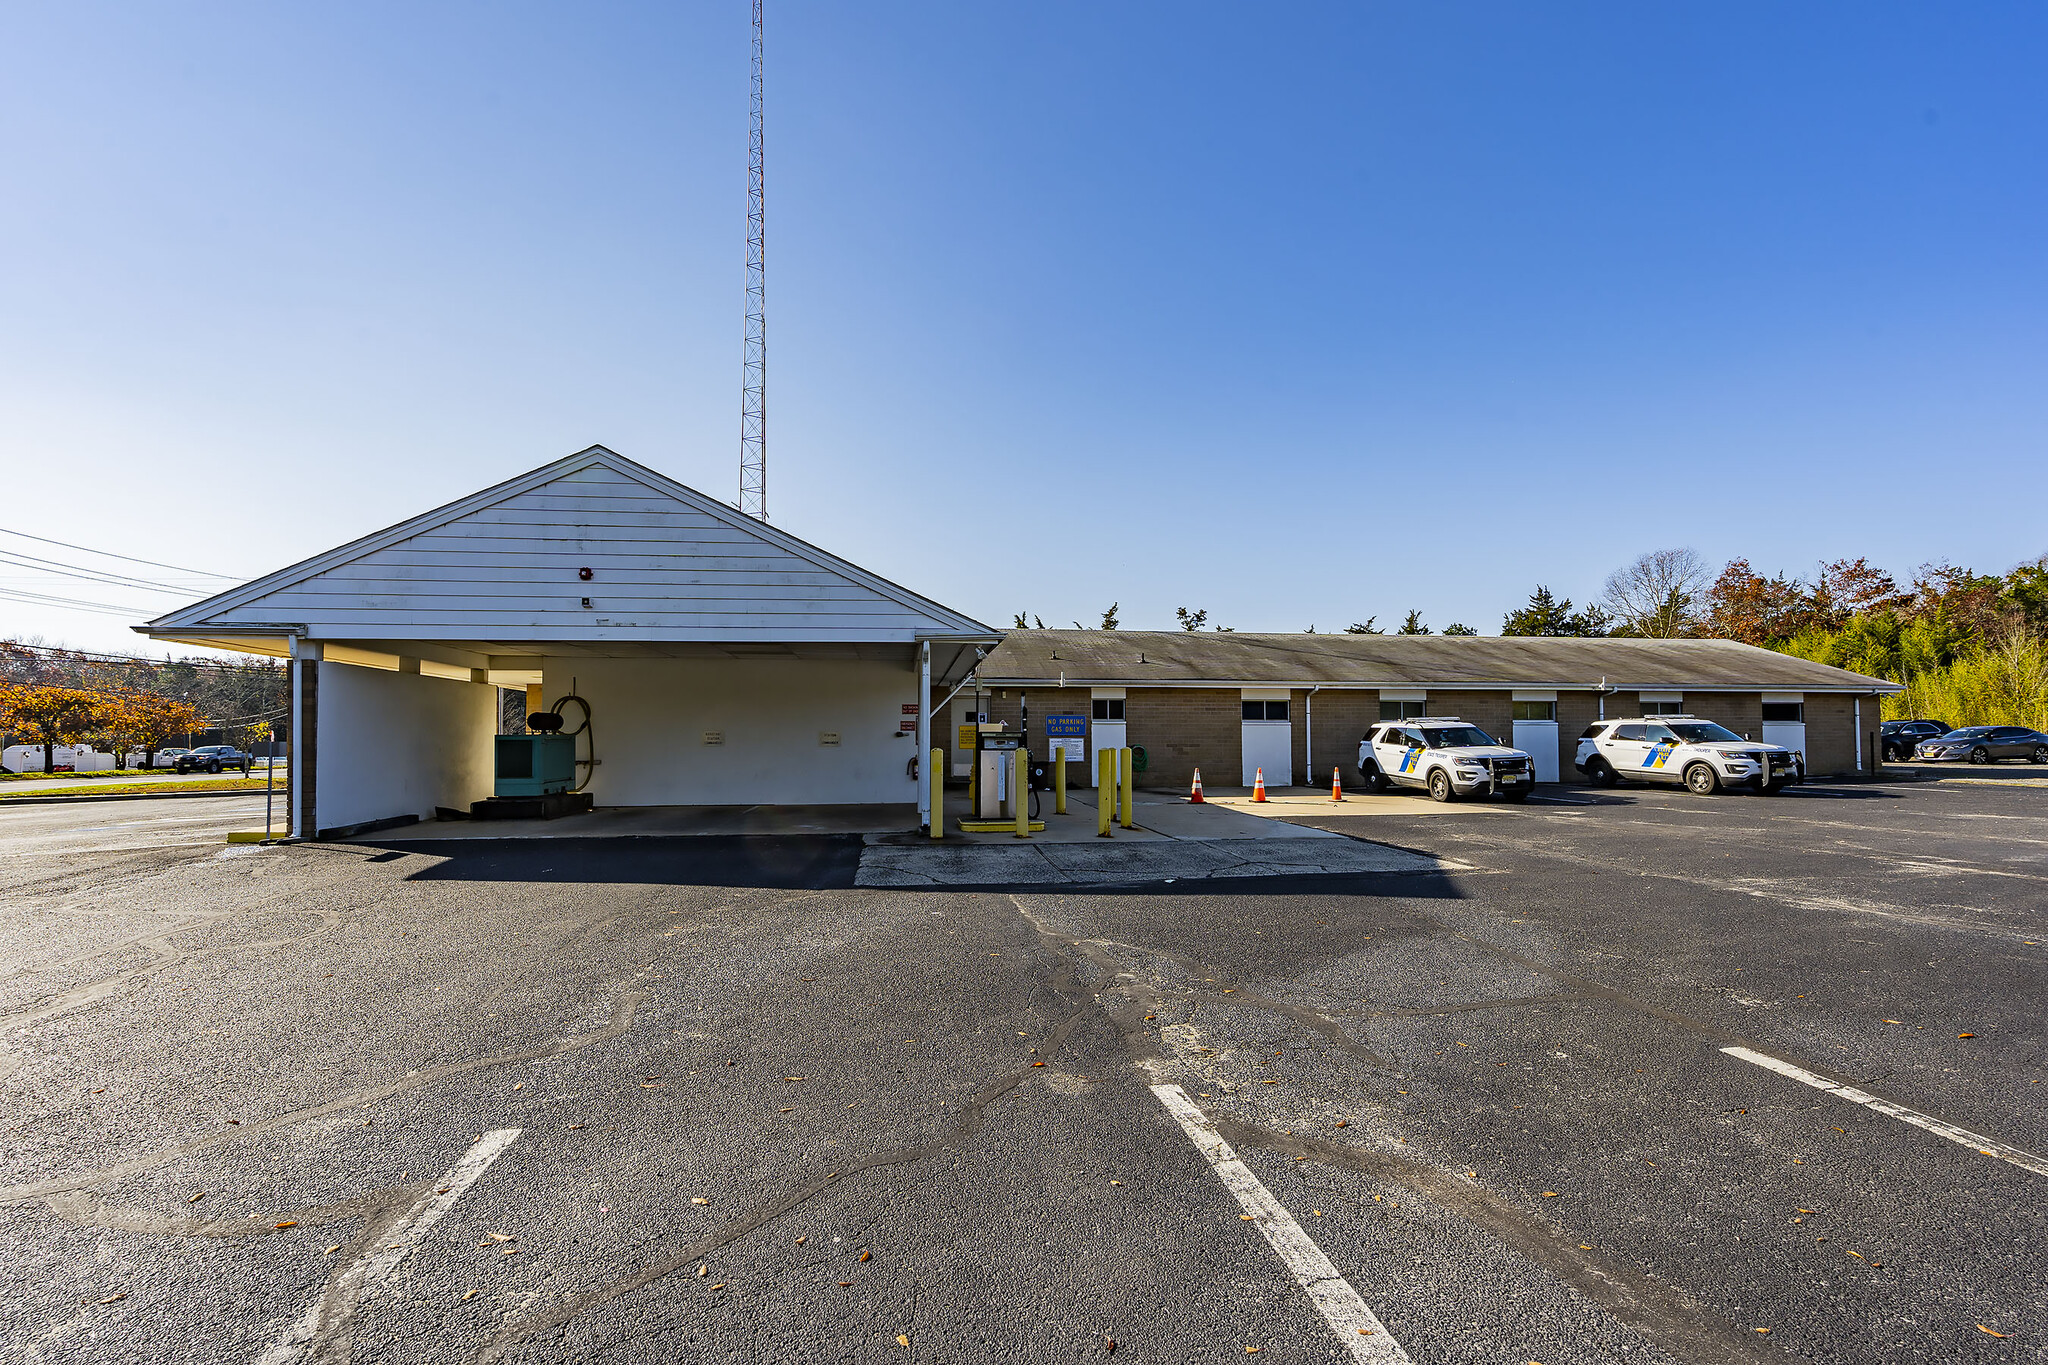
point(724, 662)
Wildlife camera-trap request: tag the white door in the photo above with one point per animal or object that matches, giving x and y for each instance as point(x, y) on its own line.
point(1789, 733)
point(1538, 739)
point(1102, 734)
point(1268, 742)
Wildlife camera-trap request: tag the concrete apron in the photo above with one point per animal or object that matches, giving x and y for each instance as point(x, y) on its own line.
point(1173, 841)
point(643, 822)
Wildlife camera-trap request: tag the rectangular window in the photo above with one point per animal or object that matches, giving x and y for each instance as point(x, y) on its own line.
point(1403, 710)
point(1535, 710)
point(1109, 708)
point(1631, 732)
point(1663, 708)
point(1265, 710)
point(1784, 710)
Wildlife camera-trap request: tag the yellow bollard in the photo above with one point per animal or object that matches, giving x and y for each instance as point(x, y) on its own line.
point(1105, 790)
point(1123, 757)
point(973, 782)
point(1059, 779)
point(938, 776)
point(1020, 791)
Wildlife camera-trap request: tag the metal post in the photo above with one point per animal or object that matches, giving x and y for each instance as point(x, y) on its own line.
point(269, 782)
point(1020, 790)
point(937, 808)
point(926, 808)
point(1105, 791)
point(1124, 787)
point(1059, 779)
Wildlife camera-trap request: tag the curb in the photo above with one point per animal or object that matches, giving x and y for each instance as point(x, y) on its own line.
point(6, 801)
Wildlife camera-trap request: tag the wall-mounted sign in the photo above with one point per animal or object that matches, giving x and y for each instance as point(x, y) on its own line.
point(714, 736)
point(910, 708)
point(908, 727)
point(966, 739)
point(829, 738)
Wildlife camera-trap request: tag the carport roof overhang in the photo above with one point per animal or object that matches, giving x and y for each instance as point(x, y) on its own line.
point(509, 661)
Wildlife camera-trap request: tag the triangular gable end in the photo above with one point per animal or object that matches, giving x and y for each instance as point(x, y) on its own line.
point(665, 562)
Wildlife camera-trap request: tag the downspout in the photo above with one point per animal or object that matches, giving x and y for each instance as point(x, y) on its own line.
point(1857, 702)
point(1308, 743)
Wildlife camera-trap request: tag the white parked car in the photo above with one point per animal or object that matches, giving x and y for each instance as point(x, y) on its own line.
point(1446, 757)
point(1675, 750)
point(168, 758)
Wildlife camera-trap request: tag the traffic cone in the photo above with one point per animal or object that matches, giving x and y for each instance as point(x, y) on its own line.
point(1259, 785)
point(1337, 784)
point(1195, 796)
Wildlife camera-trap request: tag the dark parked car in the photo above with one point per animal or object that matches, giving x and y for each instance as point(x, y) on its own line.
point(212, 758)
point(1899, 738)
point(1985, 744)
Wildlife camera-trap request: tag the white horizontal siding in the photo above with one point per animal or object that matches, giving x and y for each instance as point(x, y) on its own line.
point(662, 568)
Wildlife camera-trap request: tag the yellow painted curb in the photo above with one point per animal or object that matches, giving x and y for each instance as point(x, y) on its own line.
point(250, 836)
point(995, 826)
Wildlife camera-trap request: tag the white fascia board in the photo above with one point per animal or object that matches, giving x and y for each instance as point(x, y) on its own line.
point(201, 613)
point(1504, 685)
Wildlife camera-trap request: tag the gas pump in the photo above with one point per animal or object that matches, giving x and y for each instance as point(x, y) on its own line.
point(995, 749)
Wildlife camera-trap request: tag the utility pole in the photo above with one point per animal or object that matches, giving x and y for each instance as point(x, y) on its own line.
point(754, 388)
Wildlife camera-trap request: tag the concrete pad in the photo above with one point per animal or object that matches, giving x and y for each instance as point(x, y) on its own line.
point(1109, 863)
point(1293, 802)
point(621, 822)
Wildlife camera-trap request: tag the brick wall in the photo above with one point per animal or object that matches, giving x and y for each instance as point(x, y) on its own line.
point(1832, 736)
point(1182, 729)
point(1341, 720)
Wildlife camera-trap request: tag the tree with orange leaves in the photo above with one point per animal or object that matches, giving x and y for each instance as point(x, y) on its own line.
point(51, 715)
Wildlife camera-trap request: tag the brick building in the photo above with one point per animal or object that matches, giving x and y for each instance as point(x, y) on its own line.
point(1297, 705)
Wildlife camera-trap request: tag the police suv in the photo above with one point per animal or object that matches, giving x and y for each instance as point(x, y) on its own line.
point(1447, 757)
point(1683, 749)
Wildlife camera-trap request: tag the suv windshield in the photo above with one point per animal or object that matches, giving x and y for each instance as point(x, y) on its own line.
point(1705, 732)
point(1456, 737)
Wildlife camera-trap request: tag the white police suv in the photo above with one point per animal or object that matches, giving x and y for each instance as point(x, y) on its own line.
point(1699, 754)
point(1446, 757)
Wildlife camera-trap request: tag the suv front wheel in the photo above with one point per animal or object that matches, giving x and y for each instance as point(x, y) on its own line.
point(1702, 780)
point(1440, 785)
point(1372, 779)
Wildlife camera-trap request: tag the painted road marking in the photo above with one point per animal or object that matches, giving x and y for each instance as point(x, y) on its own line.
point(1983, 1146)
point(309, 1335)
point(1355, 1325)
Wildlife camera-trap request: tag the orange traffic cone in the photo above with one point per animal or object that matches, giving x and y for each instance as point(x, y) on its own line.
point(1259, 785)
point(1195, 796)
point(1337, 784)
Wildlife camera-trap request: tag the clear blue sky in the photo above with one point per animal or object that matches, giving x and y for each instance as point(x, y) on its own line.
point(1295, 314)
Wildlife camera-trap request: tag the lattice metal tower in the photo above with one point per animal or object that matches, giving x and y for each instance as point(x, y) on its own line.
point(754, 391)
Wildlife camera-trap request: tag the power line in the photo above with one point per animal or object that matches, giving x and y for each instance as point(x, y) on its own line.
point(74, 604)
point(23, 561)
point(754, 384)
point(111, 555)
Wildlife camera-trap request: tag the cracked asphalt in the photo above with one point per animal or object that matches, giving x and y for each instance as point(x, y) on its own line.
point(765, 1114)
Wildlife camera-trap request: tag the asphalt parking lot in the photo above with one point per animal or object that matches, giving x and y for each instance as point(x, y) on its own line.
point(639, 1100)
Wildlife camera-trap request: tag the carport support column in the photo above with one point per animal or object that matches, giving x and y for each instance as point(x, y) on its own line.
point(305, 741)
point(924, 736)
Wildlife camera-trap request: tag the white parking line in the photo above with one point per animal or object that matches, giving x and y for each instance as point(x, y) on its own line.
point(1983, 1146)
point(310, 1333)
point(1362, 1334)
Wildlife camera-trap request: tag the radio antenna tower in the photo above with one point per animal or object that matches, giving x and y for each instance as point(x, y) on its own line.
point(754, 389)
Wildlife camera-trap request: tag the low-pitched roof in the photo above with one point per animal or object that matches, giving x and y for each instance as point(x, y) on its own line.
point(664, 563)
point(1142, 658)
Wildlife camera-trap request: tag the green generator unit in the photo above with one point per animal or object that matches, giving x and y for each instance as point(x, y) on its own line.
point(534, 765)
